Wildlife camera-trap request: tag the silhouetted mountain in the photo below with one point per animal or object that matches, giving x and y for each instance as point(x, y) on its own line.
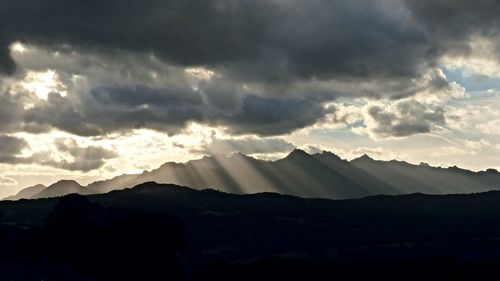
point(321, 175)
point(408, 178)
point(116, 183)
point(28, 192)
point(61, 188)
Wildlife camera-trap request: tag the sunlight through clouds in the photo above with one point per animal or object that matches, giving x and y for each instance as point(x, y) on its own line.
point(43, 83)
point(17, 47)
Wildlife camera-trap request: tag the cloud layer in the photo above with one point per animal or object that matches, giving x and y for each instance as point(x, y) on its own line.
point(250, 67)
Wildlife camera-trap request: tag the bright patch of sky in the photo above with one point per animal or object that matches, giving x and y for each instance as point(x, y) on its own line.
point(472, 82)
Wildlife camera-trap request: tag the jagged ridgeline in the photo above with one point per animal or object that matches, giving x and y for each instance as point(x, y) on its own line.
point(321, 175)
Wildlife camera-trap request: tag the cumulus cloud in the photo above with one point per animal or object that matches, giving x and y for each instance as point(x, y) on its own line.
point(91, 107)
point(83, 158)
point(403, 119)
point(423, 112)
point(340, 115)
point(80, 158)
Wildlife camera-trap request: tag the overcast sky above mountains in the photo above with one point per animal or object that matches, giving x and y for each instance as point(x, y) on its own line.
point(90, 89)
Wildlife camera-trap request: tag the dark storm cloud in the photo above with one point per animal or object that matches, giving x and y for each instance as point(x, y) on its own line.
point(140, 95)
point(451, 23)
point(259, 40)
point(121, 109)
point(10, 148)
point(11, 110)
point(184, 32)
point(222, 95)
point(264, 116)
point(250, 39)
point(271, 45)
point(109, 110)
point(7, 64)
point(59, 112)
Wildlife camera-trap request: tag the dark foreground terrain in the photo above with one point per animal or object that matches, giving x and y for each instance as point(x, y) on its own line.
point(167, 232)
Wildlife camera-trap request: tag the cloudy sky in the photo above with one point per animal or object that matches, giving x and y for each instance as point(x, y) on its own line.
point(90, 89)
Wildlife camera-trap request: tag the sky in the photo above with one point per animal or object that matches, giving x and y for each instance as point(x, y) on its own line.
point(93, 89)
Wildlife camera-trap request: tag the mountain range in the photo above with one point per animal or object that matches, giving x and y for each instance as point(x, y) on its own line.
point(320, 175)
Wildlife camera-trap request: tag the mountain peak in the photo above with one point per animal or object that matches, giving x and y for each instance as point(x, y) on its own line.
point(66, 183)
point(298, 152)
point(26, 192)
point(363, 157)
point(61, 188)
point(330, 154)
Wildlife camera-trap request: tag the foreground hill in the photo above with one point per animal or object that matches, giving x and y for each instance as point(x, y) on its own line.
point(245, 236)
point(321, 175)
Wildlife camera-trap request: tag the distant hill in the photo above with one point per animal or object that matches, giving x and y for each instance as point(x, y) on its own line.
point(321, 175)
point(28, 192)
point(62, 188)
